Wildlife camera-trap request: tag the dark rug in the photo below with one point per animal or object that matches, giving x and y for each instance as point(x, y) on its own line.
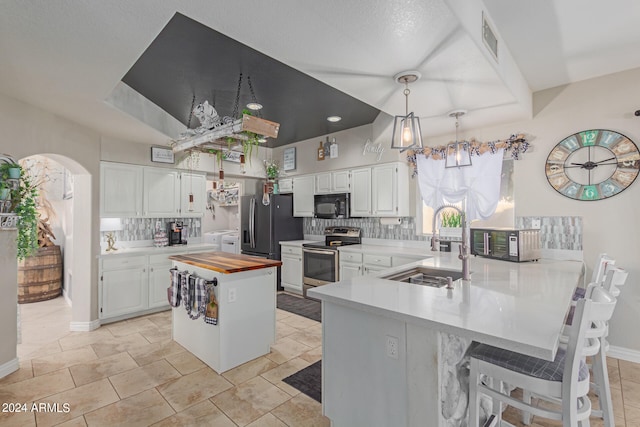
point(308, 381)
point(300, 306)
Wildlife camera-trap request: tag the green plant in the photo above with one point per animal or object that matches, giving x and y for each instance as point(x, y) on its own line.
point(272, 169)
point(451, 219)
point(24, 205)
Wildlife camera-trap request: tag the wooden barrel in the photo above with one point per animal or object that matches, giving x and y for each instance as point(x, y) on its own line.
point(40, 275)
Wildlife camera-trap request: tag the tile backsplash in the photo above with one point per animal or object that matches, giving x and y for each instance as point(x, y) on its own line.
point(371, 228)
point(556, 232)
point(144, 228)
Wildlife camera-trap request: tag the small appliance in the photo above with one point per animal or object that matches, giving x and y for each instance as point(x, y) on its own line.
point(174, 233)
point(506, 244)
point(321, 262)
point(331, 206)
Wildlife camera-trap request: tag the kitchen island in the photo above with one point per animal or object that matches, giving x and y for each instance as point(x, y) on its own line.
point(245, 290)
point(394, 352)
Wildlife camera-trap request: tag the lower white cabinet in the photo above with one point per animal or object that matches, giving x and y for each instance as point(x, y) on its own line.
point(349, 270)
point(124, 286)
point(358, 264)
point(159, 280)
point(291, 270)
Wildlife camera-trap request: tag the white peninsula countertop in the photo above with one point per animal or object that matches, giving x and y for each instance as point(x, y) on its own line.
point(517, 306)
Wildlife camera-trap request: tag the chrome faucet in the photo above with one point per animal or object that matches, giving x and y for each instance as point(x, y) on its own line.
point(464, 248)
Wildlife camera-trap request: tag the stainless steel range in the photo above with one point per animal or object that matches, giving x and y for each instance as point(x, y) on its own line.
point(321, 260)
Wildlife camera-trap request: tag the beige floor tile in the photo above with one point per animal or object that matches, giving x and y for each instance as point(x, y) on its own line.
point(81, 339)
point(299, 321)
point(80, 400)
point(203, 414)
point(249, 370)
point(313, 355)
point(267, 420)
point(127, 327)
point(308, 337)
point(632, 415)
point(188, 390)
point(25, 371)
point(28, 351)
point(281, 314)
point(185, 362)
point(275, 375)
point(43, 365)
point(630, 393)
point(76, 422)
point(155, 335)
point(37, 387)
point(143, 409)
point(143, 378)
point(89, 372)
point(286, 349)
point(250, 400)
point(617, 400)
point(16, 418)
point(116, 345)
point(301, 411)
point(629, 371)
point(161, 319)
point(283, 330)
point(145, 354)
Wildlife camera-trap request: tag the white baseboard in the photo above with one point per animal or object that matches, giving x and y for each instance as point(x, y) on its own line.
point(84, 326)
point(10, 367)
point(624, 354)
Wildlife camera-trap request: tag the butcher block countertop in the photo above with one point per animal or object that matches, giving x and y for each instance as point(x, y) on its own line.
point(226, 263)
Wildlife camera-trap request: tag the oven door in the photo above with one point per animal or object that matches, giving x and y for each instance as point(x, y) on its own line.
point(320, 266)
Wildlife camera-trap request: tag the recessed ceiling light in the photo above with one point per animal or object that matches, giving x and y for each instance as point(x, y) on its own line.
point(334, 119)
point(254, 106)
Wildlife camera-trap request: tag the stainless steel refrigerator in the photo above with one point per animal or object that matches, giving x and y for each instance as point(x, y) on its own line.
point(263, 227)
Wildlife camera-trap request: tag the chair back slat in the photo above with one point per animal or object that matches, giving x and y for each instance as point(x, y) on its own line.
point(599, 268)
point(614, 277)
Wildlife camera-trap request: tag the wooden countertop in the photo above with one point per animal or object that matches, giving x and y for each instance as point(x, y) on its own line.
point(224, 262)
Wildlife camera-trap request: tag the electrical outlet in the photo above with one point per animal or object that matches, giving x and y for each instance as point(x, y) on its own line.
point(232, 295)
point(392, 347)
point(536, 223)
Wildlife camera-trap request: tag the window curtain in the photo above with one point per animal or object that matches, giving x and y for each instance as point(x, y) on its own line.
point(478, 183)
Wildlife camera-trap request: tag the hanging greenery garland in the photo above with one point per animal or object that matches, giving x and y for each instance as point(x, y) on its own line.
point(517, 144)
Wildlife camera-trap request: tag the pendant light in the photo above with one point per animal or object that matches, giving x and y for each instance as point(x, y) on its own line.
point(461, 150)
point(406, 129)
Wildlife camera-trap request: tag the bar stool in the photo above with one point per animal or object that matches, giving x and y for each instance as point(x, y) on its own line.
point(564, 381)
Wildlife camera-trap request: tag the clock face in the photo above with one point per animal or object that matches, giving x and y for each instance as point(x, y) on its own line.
point(593, 164)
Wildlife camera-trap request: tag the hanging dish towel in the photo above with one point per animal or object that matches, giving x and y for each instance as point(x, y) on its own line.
point(194, 295)
point(211, 315)
point(173, 291)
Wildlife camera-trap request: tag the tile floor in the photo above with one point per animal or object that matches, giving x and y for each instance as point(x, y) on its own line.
point(131, 373)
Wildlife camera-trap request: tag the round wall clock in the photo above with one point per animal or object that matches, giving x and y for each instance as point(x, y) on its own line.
point(593, 164)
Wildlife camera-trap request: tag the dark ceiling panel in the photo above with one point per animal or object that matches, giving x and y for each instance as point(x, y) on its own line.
point(189, 59)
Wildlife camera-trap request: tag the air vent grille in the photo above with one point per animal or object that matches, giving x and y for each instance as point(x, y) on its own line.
point(489, 38)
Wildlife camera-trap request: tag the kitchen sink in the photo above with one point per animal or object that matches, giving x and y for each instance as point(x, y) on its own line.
point(435, 277)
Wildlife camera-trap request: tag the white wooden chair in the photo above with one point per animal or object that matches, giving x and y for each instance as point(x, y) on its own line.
point(564, 381)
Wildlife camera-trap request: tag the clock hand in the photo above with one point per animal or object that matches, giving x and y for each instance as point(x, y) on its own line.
point(605, 160)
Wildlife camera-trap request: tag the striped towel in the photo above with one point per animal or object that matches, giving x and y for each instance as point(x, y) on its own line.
point(173, 291)
point(194, 295)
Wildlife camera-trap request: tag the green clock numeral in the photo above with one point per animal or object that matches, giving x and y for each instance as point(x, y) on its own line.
point(589, 137)
point(590, 192)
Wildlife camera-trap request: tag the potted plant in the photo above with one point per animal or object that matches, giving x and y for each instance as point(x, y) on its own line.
point(272, 170)
point(9, 169)
point(451, 224)
point(24, 204)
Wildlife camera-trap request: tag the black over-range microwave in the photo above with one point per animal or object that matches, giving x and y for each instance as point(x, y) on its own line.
point(506, 244)
point(331, 206)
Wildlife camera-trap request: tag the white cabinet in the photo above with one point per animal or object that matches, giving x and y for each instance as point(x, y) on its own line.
point(159, 280)
point(350, 264)
point(124, 286)
point(120, 190)
point(332, 182)
point(196, 184)
point(373, 263)
point(291, 277)
point(285, 185)
point(361, 192)
point(303, 187)
point(161, 195)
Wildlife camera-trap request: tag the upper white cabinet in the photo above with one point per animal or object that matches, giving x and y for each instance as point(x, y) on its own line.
point(196, 184)
point(361, 192)
point(136, 191)
point(120, 190)
point(303, 187)
point(332, 182)
point(161, 192)
point(390, 190)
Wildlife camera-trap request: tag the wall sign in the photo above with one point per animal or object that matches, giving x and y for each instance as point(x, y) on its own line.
point(289, 162)
point(162, 155)
point(370, 147)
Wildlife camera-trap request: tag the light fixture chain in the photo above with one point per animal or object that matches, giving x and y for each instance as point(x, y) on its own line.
point(193, 105)
point(406, 99)
point(258, 113)
point(234, 114)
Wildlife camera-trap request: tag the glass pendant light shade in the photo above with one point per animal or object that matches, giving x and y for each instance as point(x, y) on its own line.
point(406, 132)
point(406, 129)
point(458, 153)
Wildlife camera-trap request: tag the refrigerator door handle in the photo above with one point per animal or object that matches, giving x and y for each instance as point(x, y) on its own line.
point(252, 220)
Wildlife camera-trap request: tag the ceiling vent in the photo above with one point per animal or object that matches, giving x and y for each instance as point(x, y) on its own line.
point(489, 38)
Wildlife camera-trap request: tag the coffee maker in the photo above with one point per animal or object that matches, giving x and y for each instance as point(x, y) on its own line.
point(174, 233)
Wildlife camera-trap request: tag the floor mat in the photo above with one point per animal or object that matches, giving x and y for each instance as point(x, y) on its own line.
point(301, 306)
point(308, 381)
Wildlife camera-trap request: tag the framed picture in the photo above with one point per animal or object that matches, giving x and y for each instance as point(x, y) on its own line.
point(289, 162)
point(162, 155)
